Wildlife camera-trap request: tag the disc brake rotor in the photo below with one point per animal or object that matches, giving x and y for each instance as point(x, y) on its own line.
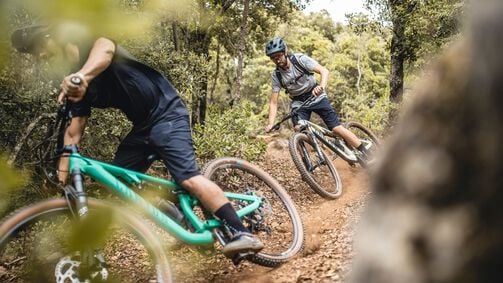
point(66, 271)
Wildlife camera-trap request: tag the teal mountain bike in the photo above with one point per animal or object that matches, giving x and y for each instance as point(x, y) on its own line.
point(78, 238)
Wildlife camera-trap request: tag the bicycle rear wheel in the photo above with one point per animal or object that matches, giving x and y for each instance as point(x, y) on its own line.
point(321, 175)
point(276, 223)
point(370, 141)
point(42, 243)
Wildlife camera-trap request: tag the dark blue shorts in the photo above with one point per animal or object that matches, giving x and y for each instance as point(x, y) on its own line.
point(323, 109)
point(170, 140)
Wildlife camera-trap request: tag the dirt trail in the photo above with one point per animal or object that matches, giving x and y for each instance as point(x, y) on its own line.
point(329, 227)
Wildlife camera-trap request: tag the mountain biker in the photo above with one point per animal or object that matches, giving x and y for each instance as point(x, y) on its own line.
point(294, 73)
point(112, 78)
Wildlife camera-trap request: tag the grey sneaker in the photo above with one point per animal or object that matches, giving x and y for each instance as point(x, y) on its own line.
point(242, 242)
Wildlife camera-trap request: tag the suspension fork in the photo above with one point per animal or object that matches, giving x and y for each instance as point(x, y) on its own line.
point(80, 195)
point(309, 165)
point(313, 138)
point(305, 157)
point(76, 193)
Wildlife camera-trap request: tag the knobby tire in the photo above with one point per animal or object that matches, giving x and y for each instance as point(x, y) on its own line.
point(328, 183)
point(19, 223)
point(283, 224)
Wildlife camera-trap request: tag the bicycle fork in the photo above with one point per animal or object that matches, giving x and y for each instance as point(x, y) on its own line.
point(321, 159)
point(79, 193)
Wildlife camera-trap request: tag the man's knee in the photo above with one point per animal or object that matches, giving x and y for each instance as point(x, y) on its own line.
point(192, 182)
point(199, 182)
point(338, 129)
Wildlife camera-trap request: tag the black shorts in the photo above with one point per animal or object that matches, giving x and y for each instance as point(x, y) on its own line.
point(323, 109)
point(170, 140)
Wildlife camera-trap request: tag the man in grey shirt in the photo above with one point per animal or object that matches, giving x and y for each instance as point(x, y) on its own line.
point(299, 82)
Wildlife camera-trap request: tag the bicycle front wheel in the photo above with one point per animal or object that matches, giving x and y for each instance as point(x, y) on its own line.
point(43, 243)
point(318, 171)
point(276, 222)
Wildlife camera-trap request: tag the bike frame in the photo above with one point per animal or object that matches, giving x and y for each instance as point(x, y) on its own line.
point(109, 175)
point(316, 132)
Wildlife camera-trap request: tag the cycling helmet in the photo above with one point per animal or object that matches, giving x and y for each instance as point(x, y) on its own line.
point(30, 39)
point(274, 46)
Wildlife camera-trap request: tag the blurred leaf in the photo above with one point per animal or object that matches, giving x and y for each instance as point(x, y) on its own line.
point(92, 231)
point(9, 180)
point(4, 35)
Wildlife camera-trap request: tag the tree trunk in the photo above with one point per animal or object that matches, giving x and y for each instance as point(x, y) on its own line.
point(242, 47)
point(397, 61)
point(358, 79)
point(176, 41)
point(199, 43)
point(217, 71)
point(398, 52)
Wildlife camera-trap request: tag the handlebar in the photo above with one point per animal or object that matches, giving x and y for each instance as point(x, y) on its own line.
point(292, 113)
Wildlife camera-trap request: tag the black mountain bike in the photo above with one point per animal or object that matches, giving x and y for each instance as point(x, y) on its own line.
point(307, 149)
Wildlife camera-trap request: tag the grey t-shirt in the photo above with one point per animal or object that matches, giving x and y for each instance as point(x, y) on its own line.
point(295, 81)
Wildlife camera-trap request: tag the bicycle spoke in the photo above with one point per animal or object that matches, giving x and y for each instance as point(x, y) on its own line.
point(276, 223)
point(318, 171)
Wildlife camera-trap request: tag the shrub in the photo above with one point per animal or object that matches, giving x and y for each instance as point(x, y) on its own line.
point(229, 133)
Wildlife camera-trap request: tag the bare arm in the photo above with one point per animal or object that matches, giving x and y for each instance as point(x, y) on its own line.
point(99, 59)
point(73, 135)
point(324, 79)
point(273, 108)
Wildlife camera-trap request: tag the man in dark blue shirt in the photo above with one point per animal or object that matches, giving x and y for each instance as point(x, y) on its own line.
point(111, 77)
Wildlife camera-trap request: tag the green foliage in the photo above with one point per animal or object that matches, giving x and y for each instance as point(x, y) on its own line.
point(229, 132)
point(22, 87)
point(92, 231)
point(193, 70)
point(9, 181)
point(427, 25)
point(106, 128)
point(348, 53)
point(376, 117)
point(185, 69)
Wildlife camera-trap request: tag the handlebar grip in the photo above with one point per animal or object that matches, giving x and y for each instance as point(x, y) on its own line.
point(76, 80)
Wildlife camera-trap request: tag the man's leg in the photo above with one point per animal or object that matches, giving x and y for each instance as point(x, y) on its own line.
point(213, 199)
point(347, 135)
point(302, 114)
point(330, 118)
point(173, 142)
point(133, 152)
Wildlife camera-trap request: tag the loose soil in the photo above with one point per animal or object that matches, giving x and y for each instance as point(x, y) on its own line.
point(329, 227)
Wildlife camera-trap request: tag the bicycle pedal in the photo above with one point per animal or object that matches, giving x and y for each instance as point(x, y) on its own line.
point(236, 259)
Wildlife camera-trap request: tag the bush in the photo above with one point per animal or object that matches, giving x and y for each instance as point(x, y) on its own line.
point(376, 117)
point(229, 133)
